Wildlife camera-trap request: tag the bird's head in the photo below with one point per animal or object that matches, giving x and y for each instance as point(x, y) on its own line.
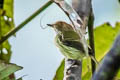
point(61, 27)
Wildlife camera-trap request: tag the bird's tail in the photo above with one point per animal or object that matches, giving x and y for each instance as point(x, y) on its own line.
point(94, 59)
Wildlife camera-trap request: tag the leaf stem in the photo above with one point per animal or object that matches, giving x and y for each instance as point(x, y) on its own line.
point(91, 38)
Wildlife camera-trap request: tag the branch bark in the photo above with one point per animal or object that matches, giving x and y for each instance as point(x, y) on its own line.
point(110, 64)
point(84, 10)
point(73, 69)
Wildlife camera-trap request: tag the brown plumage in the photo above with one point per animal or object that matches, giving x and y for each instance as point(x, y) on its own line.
point(65, 26)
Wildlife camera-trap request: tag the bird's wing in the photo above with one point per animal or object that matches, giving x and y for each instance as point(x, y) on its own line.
point(70, 49)
point(74, 44)
point(70, 36)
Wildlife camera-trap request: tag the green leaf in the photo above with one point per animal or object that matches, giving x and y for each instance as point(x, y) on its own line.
point(7, 69)
point(60, 71)
point(104, 37)
point(87, 76)
point(6, 24)
point(86, 72)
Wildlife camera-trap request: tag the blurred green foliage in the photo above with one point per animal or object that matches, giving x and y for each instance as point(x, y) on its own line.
point(6, 24)
point(104, 37)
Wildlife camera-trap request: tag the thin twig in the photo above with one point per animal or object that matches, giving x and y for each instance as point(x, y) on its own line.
point(13, 31)
point(91, 38)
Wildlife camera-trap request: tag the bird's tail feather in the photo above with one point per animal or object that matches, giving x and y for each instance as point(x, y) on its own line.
point(94, 59)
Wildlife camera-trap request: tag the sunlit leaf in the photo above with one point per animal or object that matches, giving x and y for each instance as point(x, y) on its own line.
point(104, 37)
point(86, 70)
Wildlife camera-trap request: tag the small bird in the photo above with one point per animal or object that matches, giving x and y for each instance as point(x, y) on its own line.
point(68, 41)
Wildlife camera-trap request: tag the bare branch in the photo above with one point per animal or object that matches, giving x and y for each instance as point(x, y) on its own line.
point(110, 64)
point(73, 69)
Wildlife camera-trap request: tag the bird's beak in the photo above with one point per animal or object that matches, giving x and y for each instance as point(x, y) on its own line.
point(51, 25)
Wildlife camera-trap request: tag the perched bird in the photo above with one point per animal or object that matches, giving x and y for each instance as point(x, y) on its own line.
point(68, 41)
